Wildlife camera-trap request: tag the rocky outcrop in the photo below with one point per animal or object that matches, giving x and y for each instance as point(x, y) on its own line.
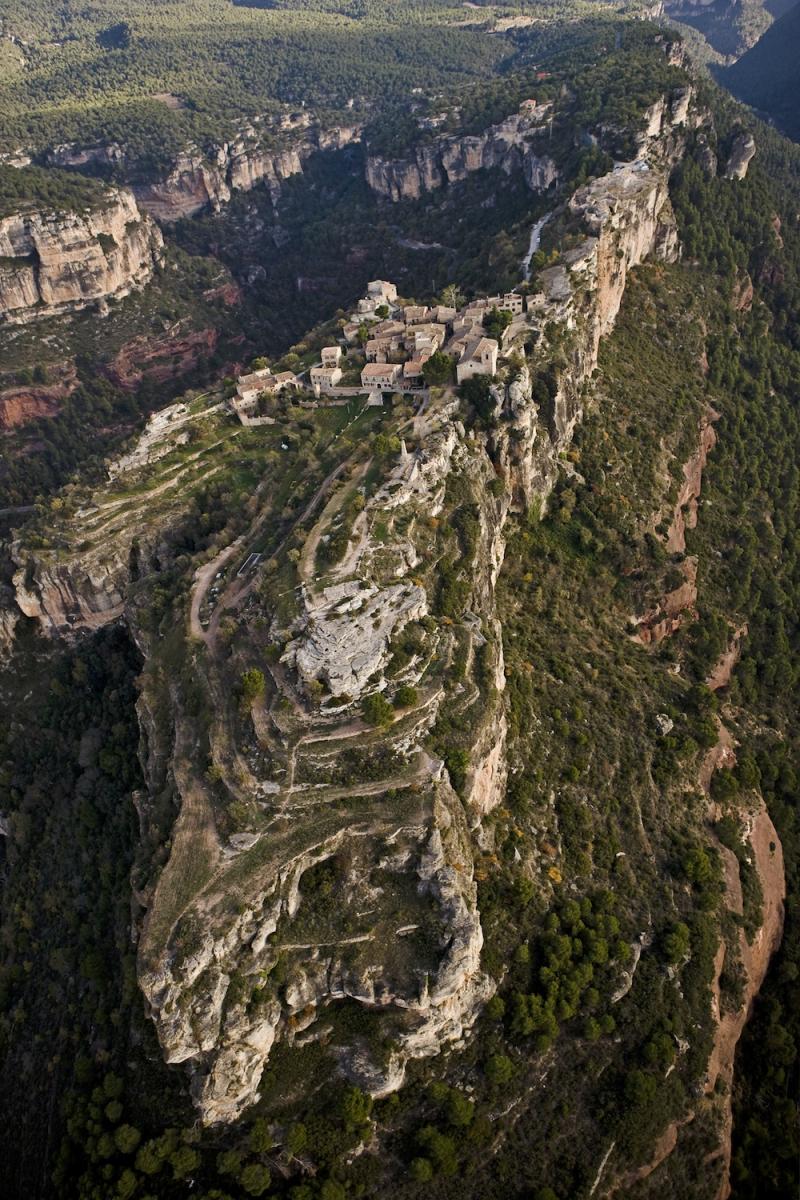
point(684, 514)
point(509, 146)
point(215, 1006)
point(347, 631)
point(160, 359)
point(628, 218)
point(669, 614)
point(82, 595)
point(9, 618)
point(21, 403)
point(200, 181)
point(52, 263)
point(766, 853)
point(742, 151)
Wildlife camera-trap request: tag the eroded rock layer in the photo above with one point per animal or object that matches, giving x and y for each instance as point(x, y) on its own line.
point(55, 263)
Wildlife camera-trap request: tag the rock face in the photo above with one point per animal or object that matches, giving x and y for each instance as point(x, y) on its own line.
point(628, 217)
point(60, 262)
point(742, 151)
point(766, 854)
point(449, 160)
point(345, 653)
point(80, 595)
point(201, 181)
point(162, 358)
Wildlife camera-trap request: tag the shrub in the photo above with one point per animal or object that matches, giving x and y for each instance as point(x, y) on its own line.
point(405, 696)
point(376, 710)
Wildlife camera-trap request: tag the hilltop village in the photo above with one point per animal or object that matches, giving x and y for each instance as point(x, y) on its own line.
point(391, 345)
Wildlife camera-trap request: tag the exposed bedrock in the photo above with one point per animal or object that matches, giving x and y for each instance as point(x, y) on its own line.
point(53, 263)
point(508, 146)
point(199, 181)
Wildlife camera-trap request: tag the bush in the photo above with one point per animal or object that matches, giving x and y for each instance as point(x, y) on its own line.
point(251, 685)
point(405, 696)
point(376, 710)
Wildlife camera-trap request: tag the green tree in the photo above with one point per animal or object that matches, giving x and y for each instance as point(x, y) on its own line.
point(252, 685)
point(439, 369)
point(499, 1070)
point(331, 1190)
point(677, 942)
point(440, 1150)
point(183, 1161)
point(356, 1107)
point(127, 1138)
point(260, 1139)
point(229, 1162)
point(497, 321)
point(255, 1179)
point(405, 696)
point(452, 296)
point(422, 1170)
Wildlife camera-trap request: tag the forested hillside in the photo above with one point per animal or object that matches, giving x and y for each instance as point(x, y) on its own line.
point(767, 76)
point(109, 73)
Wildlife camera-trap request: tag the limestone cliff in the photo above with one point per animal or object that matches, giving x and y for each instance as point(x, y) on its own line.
point(199, 181)
point(53, 263)
point(628, 217)
point(509, 146)
point(742, 151)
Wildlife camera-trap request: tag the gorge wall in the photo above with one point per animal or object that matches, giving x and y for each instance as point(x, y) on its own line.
point(200, 181)
point(508, 146)
point(52, 263)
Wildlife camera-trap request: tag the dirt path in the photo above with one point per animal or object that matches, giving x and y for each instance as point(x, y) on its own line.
point(722, 670)
point(426, 769)
point(202, 581)
point(305, 567)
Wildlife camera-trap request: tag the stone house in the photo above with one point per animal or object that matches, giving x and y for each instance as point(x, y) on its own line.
point(427, 337)
point(380, 291)
point(513, 302)
point(388, 328)
point(277, 383)
point(379, 349)
point(325, 378)
point(479, 357)
point(331, 356)
point(249, 387)
point(412, 371)
point(416, 314)
point(380, 376)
